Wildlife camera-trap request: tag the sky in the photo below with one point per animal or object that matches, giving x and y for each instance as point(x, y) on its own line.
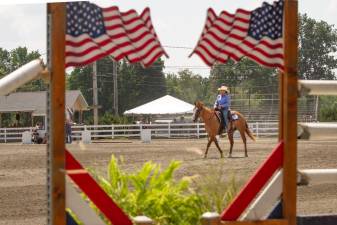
point(178, 23)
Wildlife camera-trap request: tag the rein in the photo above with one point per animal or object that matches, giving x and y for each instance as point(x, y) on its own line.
point(211, 116)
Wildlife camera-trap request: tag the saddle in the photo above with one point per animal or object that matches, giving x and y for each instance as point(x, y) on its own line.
point(231, 117)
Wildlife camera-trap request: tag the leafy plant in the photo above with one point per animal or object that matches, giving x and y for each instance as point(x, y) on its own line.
point(154, 192)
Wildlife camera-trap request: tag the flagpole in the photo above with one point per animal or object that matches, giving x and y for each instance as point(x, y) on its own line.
point(56, 142)
point(289, 115)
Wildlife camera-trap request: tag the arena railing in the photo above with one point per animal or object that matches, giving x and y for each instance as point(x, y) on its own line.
point(170, 130)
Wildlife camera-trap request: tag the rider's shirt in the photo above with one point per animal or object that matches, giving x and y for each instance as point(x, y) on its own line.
point(224, 101)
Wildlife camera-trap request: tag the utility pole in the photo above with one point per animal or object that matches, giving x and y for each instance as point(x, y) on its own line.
point(115, 99)
point(94, 91)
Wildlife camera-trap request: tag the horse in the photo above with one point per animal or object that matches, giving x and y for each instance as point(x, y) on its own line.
point(213, 125)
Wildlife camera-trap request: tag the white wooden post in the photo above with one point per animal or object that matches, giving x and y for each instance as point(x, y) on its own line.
point(143, 220)
point(257, 129)
point(169, 130)
point(140, 130)
point(198, 130)
point(112, 131)
point(210, 218)
point(5, 135)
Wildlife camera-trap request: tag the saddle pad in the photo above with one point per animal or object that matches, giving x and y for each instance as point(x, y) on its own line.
point(235, 116)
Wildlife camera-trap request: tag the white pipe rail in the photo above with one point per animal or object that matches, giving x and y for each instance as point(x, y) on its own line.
point(318, 87)
point(21, 76)
point(317, 131)
point(317, 176)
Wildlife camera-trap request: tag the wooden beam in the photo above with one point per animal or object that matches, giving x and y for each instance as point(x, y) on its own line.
point(290, 90)
point(56, 49)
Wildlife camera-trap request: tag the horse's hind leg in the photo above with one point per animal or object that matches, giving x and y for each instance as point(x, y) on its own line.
point(243, 136)
point(208, 144)
point(231, 141)
point(217, 145)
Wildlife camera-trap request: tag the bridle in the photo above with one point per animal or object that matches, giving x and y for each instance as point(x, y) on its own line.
point(197, 113)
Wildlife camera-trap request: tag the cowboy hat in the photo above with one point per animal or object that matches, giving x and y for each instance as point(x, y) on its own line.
point(223, 88)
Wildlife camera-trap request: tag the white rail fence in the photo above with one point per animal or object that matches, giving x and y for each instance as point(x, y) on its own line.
point(184, 130)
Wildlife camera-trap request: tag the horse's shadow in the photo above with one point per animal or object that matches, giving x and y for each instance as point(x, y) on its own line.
point(237, 157)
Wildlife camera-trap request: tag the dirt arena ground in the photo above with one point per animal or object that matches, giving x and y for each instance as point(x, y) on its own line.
point(23, 170)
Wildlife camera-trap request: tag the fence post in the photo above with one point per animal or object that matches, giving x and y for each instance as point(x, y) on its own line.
point(140, 130)
point(210, 218)
point(112, 131)
point(5, 135)
point(257, 129)
point(198, 130)
point(169, 130)
point(143, 220)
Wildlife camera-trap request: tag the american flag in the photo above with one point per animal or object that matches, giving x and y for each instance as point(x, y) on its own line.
point(255, 34)
point(93, 32)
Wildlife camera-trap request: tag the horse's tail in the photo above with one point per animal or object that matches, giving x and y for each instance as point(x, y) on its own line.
point(249, 133)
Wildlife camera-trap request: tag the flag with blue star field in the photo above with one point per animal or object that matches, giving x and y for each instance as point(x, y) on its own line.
point(93, 32)
point(256, 34)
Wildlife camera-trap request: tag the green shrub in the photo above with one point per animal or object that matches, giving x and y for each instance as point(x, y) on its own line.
point(155, 193)
point(108, 118)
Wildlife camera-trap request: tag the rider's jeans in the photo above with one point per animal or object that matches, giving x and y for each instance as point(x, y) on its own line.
point(225, 116)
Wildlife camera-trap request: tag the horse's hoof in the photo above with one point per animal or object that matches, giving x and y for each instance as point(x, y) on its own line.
point(246, 155)
point(205, 156)
point(230, 156)
point(221, 156)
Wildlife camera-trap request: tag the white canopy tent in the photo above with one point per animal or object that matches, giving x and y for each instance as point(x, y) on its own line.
point(166, 105)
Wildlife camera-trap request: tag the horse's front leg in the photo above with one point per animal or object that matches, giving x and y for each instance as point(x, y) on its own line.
point(208, 144)
point(217, 145)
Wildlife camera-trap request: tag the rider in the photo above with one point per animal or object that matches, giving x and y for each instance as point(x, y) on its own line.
point(223, 103)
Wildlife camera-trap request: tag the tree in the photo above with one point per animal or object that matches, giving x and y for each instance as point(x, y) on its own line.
point(136, 85)
point(188, 86)
point(10, 61)
point(327, 108)
point(4, 62)
point(245, 73)
point(317, 49)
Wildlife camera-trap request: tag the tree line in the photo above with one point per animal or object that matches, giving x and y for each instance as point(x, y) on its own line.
point(138, 85)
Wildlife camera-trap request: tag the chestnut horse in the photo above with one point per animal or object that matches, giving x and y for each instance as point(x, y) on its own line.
point(212, 126)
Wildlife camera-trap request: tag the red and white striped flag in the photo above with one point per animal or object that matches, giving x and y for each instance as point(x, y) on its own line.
point(93, 32)
point(255, 34)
